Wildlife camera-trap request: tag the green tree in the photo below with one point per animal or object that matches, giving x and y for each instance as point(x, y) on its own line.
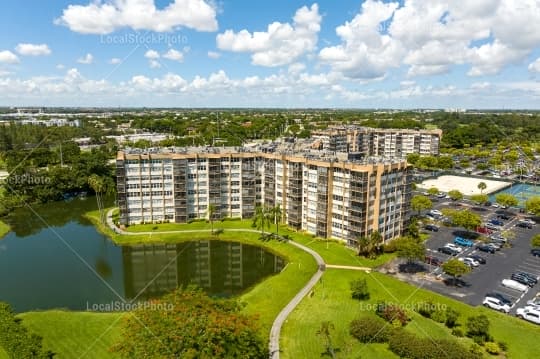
point(465, 218)
point(535, 240)
point(413, 158)
point(478, 328)
point(410, 249)
point(455, 268)
point(364, 246)
point(261, 219)
point(211, 213)
point(482, 186)
point(359, 289)
point(445, 162)
point(506, 200)
point(480, 198)
point(420, 203)
point(533, 205)
point(192, 325)
point(377, 241)
point(277, 214)
point(433, 191)
point(98, 185)
point(455, 195)
point(325, 332)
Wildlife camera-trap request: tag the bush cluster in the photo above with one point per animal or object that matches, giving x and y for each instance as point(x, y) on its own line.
point(370, 329)
point(359, 289)
point(392, 313)
point(439, 313)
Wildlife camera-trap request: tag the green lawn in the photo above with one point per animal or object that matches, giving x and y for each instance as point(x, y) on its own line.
point(75, 334)
point(3, 354)
point(4, 229)
point(333, 302)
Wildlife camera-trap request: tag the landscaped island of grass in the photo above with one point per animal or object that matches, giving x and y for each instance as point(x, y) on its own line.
point(4, 229)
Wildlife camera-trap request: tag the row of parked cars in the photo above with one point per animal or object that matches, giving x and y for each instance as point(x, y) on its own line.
point(497, 301)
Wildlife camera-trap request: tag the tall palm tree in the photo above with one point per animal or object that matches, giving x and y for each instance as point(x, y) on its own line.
point(276, 212)
point(261, 219)
point(482, 186)
point(211, 211)
point(98, 185)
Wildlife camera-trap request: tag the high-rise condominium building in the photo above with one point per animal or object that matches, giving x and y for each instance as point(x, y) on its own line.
point(326, 194)
point(388, 143)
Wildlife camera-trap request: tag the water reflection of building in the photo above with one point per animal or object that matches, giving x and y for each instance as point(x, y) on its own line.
point(220, 268)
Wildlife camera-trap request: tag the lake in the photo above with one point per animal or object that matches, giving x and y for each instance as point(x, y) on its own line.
point(55, 258)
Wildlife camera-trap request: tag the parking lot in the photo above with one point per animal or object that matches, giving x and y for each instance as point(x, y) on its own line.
point(485, 278)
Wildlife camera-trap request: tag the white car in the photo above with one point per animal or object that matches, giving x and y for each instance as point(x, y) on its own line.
point(454, 247)
point(535, 302)
point(435, 212)
point(496, 304)
point(469, 261)
point(532, 314)
point(512, 284)
point(528, 220)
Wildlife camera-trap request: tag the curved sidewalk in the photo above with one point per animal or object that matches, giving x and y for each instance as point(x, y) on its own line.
point(282, 316)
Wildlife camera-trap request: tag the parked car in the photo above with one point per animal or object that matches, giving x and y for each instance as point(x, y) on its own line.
point(519, 277)
point(469, 261)
point(528, 220)
point(483, 230)
point(448, 251)
point(522, 224)
point(435, 212)
point(492, 227)
point(503, 216)
point(512, 284)
point(496, 245)
point(496, 222)
point(530, 313)
point(431, 227)
point(535, 302)
point(497, 304)
point(454, 247)
point(488, 249)
point(500, 296)
point(433, 260)
point(478, 258)
point(531, 277)
point(497, 237)
point(535, 252)
point(463, 242)
point(441, 195)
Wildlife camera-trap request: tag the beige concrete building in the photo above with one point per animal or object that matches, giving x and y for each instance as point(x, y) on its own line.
point(325, 194)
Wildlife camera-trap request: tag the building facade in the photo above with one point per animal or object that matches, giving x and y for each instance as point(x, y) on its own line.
point(387, 143)
point(324, 194)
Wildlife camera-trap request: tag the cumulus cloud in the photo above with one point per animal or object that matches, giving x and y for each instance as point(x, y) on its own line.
point(115, 61)
point(86, 60)
point(281, 43)
point(174, 55)
point(8, 57)
point(214, 55)
point(152, 54)
point(33, 49)
point(535, 66)
point(104, 17)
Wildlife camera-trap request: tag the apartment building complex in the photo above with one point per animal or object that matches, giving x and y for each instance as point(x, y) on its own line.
point(388, 143)
point(326, 194)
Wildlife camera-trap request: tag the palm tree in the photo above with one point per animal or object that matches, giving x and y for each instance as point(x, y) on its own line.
point(211, 212)
point(482, 186)
point(376, 240)
point(276, 212)
point(261, 219)
point(98, 185)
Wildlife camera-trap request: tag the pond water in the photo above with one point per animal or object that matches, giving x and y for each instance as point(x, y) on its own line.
point(55, 258)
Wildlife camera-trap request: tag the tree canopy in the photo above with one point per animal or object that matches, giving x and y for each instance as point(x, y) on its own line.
point(533, 205)
point(420, 203)
point(410, 249)
point(455, 195)
point(506, 199)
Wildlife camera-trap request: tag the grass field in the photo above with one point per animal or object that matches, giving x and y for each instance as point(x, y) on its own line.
point(4, 229)
point(75, 334)
point(3, 354)
point(333, 302)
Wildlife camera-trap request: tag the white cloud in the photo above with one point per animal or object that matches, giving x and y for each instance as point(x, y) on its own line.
point(365, 52)
point(8, 57)
point(33, 49)
point(104, 17)
point(86, 60)
point(154, 64)
point(60, 67)
point(214, 55)
point(281, 43)
point(174, 55)
point(115, 61)
point(152, 54)
point(296, 68)
point(535, 66)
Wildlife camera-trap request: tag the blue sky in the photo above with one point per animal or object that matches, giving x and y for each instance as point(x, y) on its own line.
point(286, 53)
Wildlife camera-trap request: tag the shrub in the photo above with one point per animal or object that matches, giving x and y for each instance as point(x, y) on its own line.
point(359, 289)
point(369, 329)
point(392, 313)
point(458, 332)
point(476, 349)
point(439, 316)
point(492, 348)
point(425, 309)
point(503, 345)
point(389, 247)
point(452, 316)
point(154, 228)
point(478, 328)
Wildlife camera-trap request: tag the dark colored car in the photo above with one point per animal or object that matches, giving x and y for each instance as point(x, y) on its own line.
point(535, 252)
point(447, 250)
point(431, 227)
point(519, 277)
point(489, 249)
point(478, 258)
point(503, 216)
point(433, 260)
point(496, 222)
point(524, 225)
point(531, 277)
point(500, 297)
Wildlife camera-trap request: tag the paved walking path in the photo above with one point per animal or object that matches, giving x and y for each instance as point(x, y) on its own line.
point(282, 316)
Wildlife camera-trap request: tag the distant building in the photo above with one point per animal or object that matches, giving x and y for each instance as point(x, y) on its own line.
point(330, 195)
point(388, 143)
point(53, 122)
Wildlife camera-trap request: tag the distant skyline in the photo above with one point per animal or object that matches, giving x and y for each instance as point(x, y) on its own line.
point(284, 54)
